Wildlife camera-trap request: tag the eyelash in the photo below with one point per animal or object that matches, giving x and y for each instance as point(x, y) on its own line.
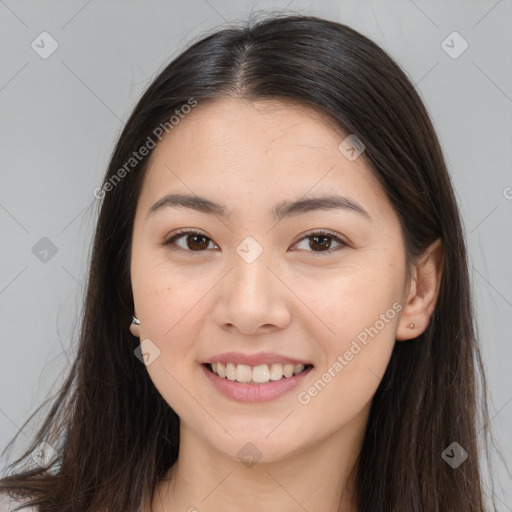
point(321, 232)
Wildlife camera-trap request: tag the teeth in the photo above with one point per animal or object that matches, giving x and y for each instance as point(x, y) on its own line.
point(256, 374)
point(230, 371)
point(243, 373)
point(276, 372)
point(288, 370)
point(259, 374)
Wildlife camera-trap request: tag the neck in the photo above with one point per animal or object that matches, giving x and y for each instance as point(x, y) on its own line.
point(319, 477)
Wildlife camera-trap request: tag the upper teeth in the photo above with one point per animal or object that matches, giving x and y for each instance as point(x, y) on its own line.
point(260, 374)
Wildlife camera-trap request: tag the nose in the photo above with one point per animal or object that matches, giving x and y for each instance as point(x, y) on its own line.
point(252, 297)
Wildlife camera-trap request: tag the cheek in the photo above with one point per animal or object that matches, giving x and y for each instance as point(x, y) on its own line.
point(353, 300)
point(359, 310)
point(161, 290)
point(167, 304)
point(361, 313)
point(170, 307)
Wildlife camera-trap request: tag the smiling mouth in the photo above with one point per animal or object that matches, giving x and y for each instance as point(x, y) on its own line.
point(259, 374)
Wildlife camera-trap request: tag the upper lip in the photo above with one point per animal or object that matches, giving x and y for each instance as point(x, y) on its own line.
point(254, 359)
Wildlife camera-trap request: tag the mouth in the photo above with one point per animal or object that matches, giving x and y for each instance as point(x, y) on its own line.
point(259, 374)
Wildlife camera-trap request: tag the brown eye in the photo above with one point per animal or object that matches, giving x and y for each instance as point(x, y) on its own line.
point(194, 241)
point(321, 241)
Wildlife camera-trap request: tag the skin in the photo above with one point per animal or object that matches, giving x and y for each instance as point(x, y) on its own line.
point(293, 299)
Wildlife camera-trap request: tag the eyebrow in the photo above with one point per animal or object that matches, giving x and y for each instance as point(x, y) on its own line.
point(279, 212)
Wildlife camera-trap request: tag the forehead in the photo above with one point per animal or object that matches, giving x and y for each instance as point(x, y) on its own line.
point(250, 151)
point(264, 126)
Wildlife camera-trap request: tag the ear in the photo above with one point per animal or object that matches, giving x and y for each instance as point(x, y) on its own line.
point(423, 291)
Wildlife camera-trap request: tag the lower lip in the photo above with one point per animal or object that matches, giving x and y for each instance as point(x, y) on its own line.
point(251, 393)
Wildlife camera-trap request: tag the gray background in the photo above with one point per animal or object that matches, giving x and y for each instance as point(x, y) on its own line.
point(61, 115)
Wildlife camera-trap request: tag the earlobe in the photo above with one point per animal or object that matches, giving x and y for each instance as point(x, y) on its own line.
point(135, 327)
point(423, 293)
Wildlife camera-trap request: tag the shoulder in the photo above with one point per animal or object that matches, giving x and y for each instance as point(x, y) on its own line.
point(8, 504)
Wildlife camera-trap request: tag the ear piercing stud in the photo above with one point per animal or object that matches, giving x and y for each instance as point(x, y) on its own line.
point(411, 326)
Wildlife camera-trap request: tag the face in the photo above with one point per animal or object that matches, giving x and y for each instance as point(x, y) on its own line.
point(247, 281)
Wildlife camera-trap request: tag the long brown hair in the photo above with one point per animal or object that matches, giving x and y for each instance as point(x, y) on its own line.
point(116, 436)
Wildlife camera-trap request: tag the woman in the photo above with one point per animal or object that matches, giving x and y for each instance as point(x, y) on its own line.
point(278, 313)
